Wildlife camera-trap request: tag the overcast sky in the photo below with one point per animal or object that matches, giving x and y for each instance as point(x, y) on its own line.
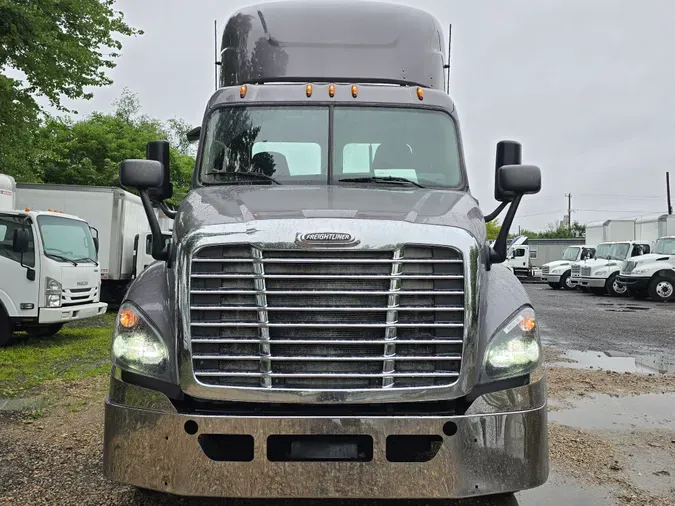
point(588, 87)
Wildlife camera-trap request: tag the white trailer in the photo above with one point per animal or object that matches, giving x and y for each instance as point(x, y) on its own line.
point(49, 273)
point(610, 231)
point(116, 215)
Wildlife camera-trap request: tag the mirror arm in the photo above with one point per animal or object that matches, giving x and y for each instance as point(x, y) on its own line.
point(159, 250)
point(166, 210)
point(496, 212)
point(497, 253)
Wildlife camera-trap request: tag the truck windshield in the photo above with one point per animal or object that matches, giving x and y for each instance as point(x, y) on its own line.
point(665, 247)
point(291, 145)
point(570, 254)
point(612, 251)
point(66, 240)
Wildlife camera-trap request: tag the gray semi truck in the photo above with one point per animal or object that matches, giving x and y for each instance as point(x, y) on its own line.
point(328, 318)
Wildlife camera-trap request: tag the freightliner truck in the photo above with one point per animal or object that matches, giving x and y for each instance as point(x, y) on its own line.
point(328, 319)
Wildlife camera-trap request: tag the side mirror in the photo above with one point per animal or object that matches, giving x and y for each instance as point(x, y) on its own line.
point(20, 241)
point(141, 174)
point(194, 134)
point(159, 152)
point(508, 153)
point(515, 180)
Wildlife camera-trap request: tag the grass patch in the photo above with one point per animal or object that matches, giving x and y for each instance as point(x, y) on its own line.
point(76, 352)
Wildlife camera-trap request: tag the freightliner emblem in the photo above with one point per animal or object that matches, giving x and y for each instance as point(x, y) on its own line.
point(326, 239)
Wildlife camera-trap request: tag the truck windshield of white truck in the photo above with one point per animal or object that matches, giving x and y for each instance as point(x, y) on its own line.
point(613, 251)
point(66, 240)
point(570, 254)
point(665, 246)
point(377, 145)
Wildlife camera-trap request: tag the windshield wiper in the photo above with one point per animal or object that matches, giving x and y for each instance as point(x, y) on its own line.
point(375, 179)
point(86, 259)
point(59, 257)
point(249, 175)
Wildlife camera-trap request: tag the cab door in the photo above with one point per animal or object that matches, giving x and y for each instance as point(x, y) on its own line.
point(18, 293)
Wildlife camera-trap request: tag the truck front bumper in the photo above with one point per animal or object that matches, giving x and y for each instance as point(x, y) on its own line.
point(70, 313)
point(634, 283)
point(499, 445)
point(592, 282)
point(550, 278)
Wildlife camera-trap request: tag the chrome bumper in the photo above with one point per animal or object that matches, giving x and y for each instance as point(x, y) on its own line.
point(500, 446)
point(593, 282)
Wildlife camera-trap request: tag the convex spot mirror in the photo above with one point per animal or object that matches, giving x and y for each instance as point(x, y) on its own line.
point(515, 180)
point(141, 174)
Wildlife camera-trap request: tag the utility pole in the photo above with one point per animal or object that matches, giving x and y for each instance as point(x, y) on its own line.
point(670, 204)
point(569, 211)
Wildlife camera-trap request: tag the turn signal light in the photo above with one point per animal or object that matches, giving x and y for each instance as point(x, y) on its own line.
point(331, 90)
point(243, 90)
point(355, 91)
point(527, 324)
point(420, 93)
point(308, 90)
point(128, 319)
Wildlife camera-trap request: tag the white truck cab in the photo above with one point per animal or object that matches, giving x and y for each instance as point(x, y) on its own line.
point(600, 274)
point(50, 274)
point(143, 251)
point(558, 274)
point(652, 275)
point(518, 257)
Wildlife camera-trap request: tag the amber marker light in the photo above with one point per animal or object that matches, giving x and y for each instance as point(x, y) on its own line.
point(128, 318)
point(331, 90)
point(243, 90)
point(527, 324)
point(355, 91)
point(420, 93)
point(308, 90)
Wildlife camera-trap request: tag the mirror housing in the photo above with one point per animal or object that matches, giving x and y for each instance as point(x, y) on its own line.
point(508, 153)
point(515, 180)
point(20, 241)
point(159, 151)
point(141, 174)
point(194, 134)
point(96, 244)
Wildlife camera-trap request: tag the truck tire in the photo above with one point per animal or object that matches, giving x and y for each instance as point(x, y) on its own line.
point(555, 286)
point(44, 330)
point(6, 327)
point(614, 288)
point(565, 281)
point(661, 289)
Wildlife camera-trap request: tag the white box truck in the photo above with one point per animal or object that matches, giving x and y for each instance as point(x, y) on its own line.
point(116, 215)
point(611, 230)
point(49, 272)
point(558, 274)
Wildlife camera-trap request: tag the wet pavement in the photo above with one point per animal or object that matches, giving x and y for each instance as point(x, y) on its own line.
point(617, 361)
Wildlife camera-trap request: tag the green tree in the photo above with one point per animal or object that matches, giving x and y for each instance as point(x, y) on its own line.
point(493, 228)
point(56, 49)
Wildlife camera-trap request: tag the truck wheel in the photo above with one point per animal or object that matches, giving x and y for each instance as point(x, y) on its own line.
point(597, 291)
point(566, 281)
point(661, 289)
point(614, 288)
point(6, 328)
point(555, 286)
point(638, 294)
point(45, 330)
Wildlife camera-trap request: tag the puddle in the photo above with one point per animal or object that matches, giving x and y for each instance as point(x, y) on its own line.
point(617, 362)
point(648, 411)
point(561, 490)
point(622, 308)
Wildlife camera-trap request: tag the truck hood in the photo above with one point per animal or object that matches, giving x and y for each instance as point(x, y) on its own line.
point(651, 258)
point(558, 263)
point(599, 262)
point(224, 205)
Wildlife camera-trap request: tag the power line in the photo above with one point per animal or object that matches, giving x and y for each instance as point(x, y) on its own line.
point(628, 197)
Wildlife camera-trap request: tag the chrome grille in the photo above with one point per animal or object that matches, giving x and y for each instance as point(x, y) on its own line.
point(325, 320)
point(545, 269)
point(576, 271)
point(585, 271)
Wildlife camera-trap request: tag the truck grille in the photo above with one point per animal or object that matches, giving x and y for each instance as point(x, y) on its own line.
point(628, 268)
point(75, 296)
point(319, 320)
point(545, 269)
point(576, 271)
point(585, 271)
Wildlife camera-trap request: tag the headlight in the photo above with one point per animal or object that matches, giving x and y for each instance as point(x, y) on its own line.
point(600, 273)
point(137, 346)
point(557, 271)
point(53, 291)
point(515, 349)
point(640, 271)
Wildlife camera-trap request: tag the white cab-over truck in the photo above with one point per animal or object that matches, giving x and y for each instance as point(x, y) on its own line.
point(600, 274)
point(49, 273)
point(652, 275)
point(116, 215)
point(558, 274)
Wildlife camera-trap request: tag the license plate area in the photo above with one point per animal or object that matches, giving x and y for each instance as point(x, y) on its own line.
point(319, 448)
